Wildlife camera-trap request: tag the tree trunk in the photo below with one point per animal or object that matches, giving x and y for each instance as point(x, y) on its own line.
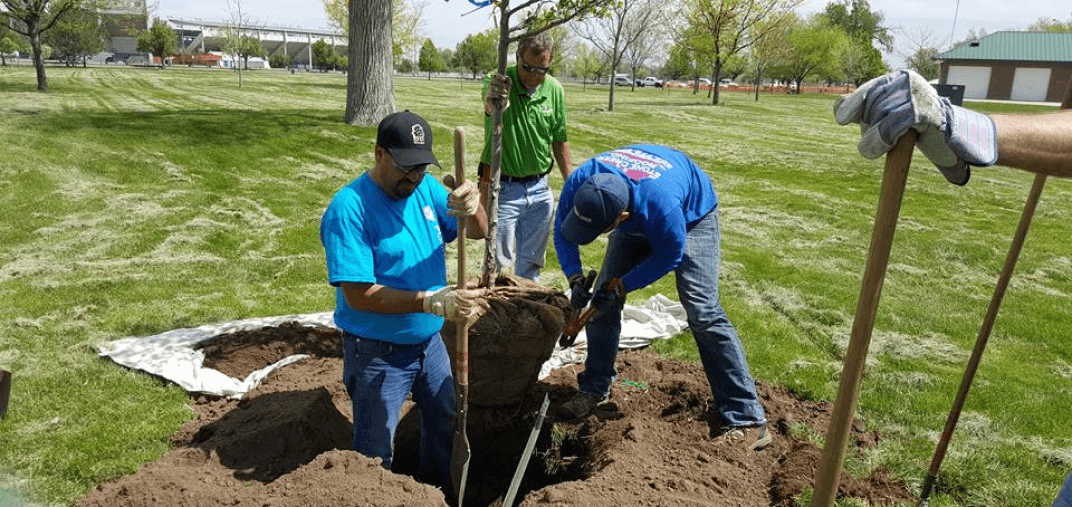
point(370, 78)
point(716, 78)
point(38, 58)
point(491, 262)
point(759, 81)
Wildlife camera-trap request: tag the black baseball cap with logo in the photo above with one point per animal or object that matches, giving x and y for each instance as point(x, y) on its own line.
point(408, 138)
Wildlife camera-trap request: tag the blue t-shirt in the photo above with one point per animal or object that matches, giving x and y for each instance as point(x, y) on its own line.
point(369, 237)
point(668, 194)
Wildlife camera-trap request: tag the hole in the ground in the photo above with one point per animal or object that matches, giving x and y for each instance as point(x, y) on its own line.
point(497, 439)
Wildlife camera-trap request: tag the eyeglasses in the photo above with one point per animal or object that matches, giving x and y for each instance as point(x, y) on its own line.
point(537, 70)
point(418, 170)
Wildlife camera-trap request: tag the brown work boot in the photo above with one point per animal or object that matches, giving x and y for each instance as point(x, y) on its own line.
point(580, 405)
point(756, 438)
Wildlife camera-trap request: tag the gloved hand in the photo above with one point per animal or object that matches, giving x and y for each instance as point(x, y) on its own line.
point(457, 305)
point(609, 294)
point(950, 136)
point(463, 201)
point(581, 288)
point(499, 91)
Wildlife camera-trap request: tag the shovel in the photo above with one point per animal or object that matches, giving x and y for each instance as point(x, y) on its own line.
point(894, 178)
point(460, 454)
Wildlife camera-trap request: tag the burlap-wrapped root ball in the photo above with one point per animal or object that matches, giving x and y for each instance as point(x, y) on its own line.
point(510, 343)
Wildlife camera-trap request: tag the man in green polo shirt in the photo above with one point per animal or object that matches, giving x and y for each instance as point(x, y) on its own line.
point(533, 141)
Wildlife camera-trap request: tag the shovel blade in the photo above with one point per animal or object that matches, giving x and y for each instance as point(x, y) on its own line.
point(459, 464)
point(460, 453)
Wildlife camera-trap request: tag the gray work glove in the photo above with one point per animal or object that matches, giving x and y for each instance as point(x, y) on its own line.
point(950, 136)
point(463, 201)
point(499, 91)
point(457, 304)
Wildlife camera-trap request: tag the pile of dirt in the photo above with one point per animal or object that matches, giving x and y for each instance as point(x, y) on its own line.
point(656, 443)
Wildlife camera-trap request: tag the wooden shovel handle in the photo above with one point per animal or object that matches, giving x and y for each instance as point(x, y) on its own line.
point(894, 179)
point(462, 334)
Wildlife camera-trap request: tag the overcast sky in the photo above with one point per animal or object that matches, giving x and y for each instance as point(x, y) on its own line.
point(448, 22)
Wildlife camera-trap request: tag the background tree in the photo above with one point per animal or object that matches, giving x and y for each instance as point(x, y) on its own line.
point(250, 46)
point(76, 37)
point(865, 29)
point(430, 59)
point(925, 48)
point(861, 62)
point(1051, 25)
point(681, 64)
point(923, 62)
point(771, 48)
point(370, 77)
point(720, 29)
point(159, 40)
point(33, 19)
point(857, 20)
point(279, 61)
point(324, 55)
point(647, 45)
point(565, 47)
point(407, 21)
point(817, 49)
point(10, 42)
point(625, 23)
point(586, 63)
point(446, 55)
point(476, 53)
point(238, 40)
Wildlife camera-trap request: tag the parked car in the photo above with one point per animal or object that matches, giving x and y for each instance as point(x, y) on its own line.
point(650, 81)
point(622, 80)
point(705, 82)
point(726, 82)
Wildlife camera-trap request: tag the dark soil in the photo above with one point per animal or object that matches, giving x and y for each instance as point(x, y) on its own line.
point(655, 444)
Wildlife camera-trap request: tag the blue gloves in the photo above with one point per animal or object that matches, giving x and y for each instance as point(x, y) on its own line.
point(581, 288)
point(950, 136)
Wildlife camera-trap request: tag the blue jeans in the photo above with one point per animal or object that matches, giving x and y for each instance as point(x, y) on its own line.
point(1064, 497)
point(378, 376)
point(720, 349)
point(525, 212)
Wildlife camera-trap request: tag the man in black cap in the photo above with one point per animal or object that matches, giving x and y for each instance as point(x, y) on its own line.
point(662, 215)
point(384, 236)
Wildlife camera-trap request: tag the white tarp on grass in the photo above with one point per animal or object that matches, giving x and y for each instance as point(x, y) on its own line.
point(172, 354)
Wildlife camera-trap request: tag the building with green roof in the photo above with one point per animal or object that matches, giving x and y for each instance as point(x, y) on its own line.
point(1028, 66)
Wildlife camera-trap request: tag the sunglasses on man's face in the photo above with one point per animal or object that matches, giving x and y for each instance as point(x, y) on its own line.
point(412, 172)
point(537, 70)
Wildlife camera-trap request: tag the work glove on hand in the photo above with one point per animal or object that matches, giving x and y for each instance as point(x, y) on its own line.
point(463, 201)
point(457, 305)
point(581, 288)
point(609, 295)
point(499, 91)
point(950, 136)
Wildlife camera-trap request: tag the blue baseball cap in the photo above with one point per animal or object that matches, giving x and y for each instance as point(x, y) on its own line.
point(597, 203)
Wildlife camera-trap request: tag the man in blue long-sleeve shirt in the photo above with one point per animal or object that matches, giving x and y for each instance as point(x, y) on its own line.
point(661, 211)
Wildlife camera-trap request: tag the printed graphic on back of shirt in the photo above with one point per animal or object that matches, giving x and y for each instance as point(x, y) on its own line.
point(636, 164)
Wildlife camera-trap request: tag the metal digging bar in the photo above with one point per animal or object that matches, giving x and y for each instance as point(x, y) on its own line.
point(984, 336)
point(984, 331)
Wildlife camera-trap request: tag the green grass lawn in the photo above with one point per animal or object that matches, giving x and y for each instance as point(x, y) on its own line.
point(137, 201)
